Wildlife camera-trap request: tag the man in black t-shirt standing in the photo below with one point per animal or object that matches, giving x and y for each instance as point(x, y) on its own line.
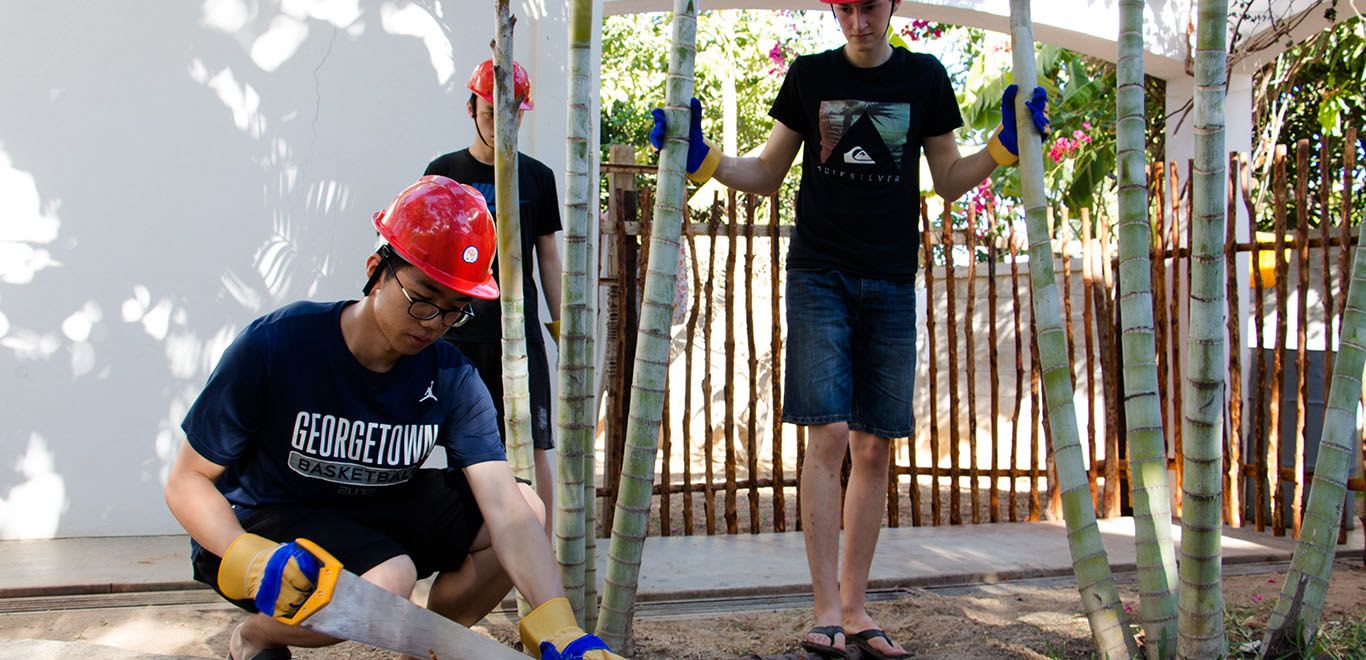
point(539, 214)
point(864, 112)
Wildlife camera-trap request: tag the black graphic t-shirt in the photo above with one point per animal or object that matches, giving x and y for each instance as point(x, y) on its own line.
point(858, 208)
point(296, 419)
point(539, 214)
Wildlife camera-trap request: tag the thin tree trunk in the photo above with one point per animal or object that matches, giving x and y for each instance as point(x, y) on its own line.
point(577, 394)
point(652, 346)
point(516, 395)
point(1099, 596)
point(1156, 553)
point(1201, 620)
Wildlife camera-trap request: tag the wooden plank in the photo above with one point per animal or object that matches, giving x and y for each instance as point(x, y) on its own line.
point(690, 343)
point(1257, 433)
point(1109, 363)
point(1176, 341)
point(1093, 371)
point(1035, 412)
point(951, 332)
point(1302, 329)
point(1160, 326)
point(1234, 423)
point(970, 368)
point(993, 359)
point(1278, 356)
point(708, 439)
point(728, 388)
point(776, 370)
point(752, 423)
point(1019, 372)
point(932, 342)
point(1072, 363)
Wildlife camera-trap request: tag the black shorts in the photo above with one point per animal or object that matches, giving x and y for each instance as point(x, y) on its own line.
point(433, 519)
point(488, 359)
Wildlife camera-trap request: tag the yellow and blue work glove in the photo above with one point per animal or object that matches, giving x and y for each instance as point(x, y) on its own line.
point(1004, 145)
point(703, 156)
point(549, 632)
point(277, 577)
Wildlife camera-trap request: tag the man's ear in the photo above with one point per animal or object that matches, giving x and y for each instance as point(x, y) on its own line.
point(469, 107)
point(372, 263)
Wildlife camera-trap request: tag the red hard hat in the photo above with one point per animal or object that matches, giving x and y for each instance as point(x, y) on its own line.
point(481, 83)
point(444, 229)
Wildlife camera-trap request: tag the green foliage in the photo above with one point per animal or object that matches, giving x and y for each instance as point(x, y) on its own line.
point(1315, 91)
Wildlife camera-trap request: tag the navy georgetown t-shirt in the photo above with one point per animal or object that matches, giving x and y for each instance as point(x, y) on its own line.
point(296, 419)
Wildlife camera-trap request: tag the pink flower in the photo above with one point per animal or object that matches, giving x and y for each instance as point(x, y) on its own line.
point(1256, 598)
point(1271, 581)
point(1086, 125)
point(1128, 609)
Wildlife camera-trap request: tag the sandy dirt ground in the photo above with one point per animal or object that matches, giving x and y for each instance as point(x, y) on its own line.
point(1030, 619)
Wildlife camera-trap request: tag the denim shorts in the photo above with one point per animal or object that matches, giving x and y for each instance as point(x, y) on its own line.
point(850, 352)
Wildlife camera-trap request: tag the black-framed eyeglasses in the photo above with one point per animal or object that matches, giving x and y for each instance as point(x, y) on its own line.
point(426, 310)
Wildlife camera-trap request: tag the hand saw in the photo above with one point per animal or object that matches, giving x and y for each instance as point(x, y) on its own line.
point(344, 605)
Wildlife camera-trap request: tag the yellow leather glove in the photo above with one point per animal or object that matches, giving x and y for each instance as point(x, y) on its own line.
point(999, 152)
point(278, 576)
point(553, 327)
point(549, 632)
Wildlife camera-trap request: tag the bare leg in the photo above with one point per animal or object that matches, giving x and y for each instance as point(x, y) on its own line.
point(864, 503)
point(469, 594)
point(820, 497)
point(260, 632)
point(545, 486)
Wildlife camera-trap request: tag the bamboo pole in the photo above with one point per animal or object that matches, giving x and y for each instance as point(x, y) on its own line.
point(576, 419)
point(1233, 500)
point(1273, 453)
point(775, 372)
point(1054, 509)
point(1019, 372)
point(751, 426)
point(1096, 585)
point(933, 368)
point(951, 330)
point(1302, 328)
point(708, 441)
point(1201, 621)
point(650, 372)
point(971, 351)
point(728, 388)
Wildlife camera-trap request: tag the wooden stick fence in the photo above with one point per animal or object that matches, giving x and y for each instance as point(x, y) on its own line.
point(1267, 467)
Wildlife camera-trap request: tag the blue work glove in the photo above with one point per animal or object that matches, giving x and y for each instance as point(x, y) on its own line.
point(1004, 145)
point(703, 156)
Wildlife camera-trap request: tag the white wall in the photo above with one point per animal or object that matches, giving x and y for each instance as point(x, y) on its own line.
point(169, 171)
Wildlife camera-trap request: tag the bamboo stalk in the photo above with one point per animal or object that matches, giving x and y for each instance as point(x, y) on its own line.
point(693, 313)
point(951, 330)
point(993, 358)
point(1232, 488)
point(775, 373)
point(971, 351)
point(1302, 328)
point(1054, 509)
point(933, 368)
point(751, 426)
point(1273, 455)
point(708, 441)
point(1019, 372)
point(728, 388)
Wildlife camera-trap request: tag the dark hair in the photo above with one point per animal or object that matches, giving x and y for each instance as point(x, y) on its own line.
point(387, 258)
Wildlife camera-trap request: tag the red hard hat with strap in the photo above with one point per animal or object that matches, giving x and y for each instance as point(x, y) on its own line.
point(481, 83)
point(445, 230)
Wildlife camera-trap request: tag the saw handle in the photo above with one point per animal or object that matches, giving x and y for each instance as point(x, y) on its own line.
point(328, 571)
